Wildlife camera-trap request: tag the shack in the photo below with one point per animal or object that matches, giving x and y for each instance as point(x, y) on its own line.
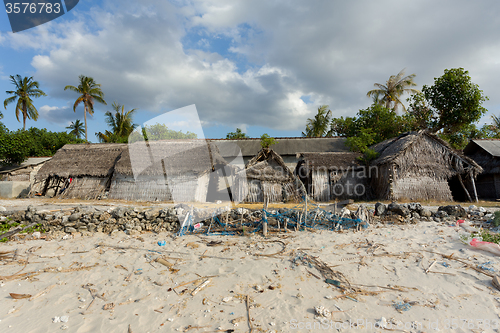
point(267, 178)
point(176, 170)
point(329, 176)
point(80, 171)
point(486, 153)
point(420, 166)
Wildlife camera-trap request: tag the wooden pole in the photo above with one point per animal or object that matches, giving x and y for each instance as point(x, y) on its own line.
point(264, 222)
point(473, 185)
point(463, 186)
point(305, 216)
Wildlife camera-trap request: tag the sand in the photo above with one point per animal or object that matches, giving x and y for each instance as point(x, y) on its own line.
point(85, 274)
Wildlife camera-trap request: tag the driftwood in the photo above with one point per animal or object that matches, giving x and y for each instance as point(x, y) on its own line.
point(17, 230)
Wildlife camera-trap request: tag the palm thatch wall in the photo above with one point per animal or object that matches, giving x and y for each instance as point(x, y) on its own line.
point(176, 170)
point(329, 176)
point(266, 177)
point(89, 166)
point(417, 166)
point(166, 171)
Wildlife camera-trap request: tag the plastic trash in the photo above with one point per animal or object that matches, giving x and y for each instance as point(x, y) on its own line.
point(486, 246)
point(162, 243)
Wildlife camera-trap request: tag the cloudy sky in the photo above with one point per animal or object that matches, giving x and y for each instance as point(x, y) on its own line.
point(264, 66)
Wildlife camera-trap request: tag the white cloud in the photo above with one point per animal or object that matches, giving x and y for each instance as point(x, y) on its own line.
point(277, 52)
point(60, 115)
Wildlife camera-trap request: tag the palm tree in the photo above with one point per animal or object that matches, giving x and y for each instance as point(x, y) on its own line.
point(77, 128)
point(90, 91)
point(121, 124)
point(396, 86)
point(319, 126)
point(26, 88)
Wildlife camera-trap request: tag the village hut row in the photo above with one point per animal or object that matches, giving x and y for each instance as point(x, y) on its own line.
point(413, 166)
point(180, 170)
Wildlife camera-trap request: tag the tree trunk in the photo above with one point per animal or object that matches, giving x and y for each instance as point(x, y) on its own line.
point(85, 117)
point(25, 114)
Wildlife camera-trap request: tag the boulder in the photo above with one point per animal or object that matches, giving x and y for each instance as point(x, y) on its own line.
point(454, 210)
point(398, 209)
point(440, 214)
point(118, 212)
point(425, 212)
point(414, 206)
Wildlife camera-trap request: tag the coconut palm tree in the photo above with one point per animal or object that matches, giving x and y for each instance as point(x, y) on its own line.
point(26, 88)
point(90, 91)
point(77, 128)
point(319, 126)
point(120, 123)
point(395, 87)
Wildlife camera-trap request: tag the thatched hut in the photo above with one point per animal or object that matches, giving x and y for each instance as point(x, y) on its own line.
point(267, 178)
point(419, 166)
point(179, 170)
point(486, 153)
point(78, 171)
point(329, 176)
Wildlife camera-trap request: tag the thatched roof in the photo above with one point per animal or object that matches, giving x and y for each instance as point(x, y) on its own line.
point(285, 146)
point(486, 153)
point(423, 155)
point(169, 157)
point(76, 160)
point(267, 165)
point(330, 161)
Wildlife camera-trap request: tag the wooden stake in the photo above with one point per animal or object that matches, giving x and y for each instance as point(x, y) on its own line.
point(430, 266)
point(473, 185)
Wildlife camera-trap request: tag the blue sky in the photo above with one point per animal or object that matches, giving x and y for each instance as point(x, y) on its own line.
point(263, 66)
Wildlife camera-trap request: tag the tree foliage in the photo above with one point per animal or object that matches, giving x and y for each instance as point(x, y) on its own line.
point(16, 146)
point(76, 128)
point(266, 141)
point(90, 93)
point(319, 126)
point(390, 93)
point(158, 132)
point(455, 100)
point(120, 123)
point(238, 134)
point(26, 89)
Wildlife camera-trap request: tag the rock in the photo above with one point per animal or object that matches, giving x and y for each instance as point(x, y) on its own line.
point(69, 230)
point(380, 209)
point(414, 206)
point(118, 212)
point(398, 209)
point(74, 217)
point(425, 212)
point(151, 214)
point(440, 214)
point(454, 210)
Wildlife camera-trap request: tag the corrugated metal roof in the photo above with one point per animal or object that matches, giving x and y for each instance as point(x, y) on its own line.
point(491, 146)
point(285, 146)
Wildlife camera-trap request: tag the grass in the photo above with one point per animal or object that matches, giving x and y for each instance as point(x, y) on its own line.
point(8, 226)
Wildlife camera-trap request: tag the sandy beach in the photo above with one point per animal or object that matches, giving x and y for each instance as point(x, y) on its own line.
point(197, 283)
